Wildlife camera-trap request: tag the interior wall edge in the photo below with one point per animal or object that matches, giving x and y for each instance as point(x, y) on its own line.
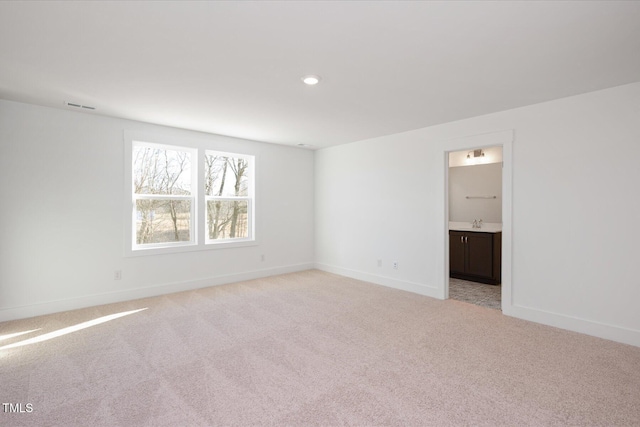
point(68, 304)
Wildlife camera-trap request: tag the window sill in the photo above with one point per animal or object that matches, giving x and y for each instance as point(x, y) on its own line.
point(189, 248)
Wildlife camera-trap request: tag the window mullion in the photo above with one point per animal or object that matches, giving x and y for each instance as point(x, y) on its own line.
point(201, 202)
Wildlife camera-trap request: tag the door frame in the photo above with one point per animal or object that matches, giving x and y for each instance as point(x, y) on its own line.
point(505, 140)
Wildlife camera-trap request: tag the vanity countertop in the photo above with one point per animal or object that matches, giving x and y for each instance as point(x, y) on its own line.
point(489, 227)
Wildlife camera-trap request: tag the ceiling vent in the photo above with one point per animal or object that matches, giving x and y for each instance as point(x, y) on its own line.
point(78, 105)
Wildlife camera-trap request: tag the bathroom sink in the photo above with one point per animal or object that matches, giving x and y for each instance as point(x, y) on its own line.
point(487, 227)
point(481, 230)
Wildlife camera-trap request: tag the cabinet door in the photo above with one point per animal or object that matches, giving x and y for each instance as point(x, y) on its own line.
point(479, 254)
point(456, 252)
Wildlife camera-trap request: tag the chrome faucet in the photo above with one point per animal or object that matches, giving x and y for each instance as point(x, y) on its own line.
point(477, 223)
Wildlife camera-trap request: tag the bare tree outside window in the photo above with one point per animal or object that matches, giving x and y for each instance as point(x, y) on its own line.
point(162, 194)
point(227, 184)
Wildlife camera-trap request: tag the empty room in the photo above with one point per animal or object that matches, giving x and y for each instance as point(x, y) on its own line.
point(291, 213)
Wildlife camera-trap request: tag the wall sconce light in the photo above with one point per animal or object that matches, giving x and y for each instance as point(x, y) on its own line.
point(475, 156)
point(476, 153)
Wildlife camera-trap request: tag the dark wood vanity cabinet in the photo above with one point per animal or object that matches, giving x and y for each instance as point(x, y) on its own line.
point(475, 256)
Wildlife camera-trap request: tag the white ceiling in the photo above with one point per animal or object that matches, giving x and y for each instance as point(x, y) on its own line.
point(234, 68)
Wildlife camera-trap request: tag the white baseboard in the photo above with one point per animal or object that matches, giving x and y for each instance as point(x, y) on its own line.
point(48, 307)
point(418, 288)
point(575, 324)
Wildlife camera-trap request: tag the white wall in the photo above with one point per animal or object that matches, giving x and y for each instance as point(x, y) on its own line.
point(62, 222)
point(575, 204)
point(477, 182)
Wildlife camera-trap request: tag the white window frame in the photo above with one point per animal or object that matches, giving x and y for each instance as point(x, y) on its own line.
point(249, 198)
point(199, 239)
point(193, 197)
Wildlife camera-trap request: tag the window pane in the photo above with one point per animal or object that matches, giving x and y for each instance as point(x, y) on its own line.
point(160, 221)
point(226, 176)
point(161, 171)
point(227, 219)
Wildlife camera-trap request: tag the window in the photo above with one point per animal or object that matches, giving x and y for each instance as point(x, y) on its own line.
point(163, 199)
point(173, 207)
point(228, 197)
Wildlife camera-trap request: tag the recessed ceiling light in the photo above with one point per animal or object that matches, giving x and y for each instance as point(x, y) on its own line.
point(311, 80)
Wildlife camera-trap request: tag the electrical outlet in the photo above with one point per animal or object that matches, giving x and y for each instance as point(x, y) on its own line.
point(395, 265)
point(117, 275)
point(262, 258)
point(379, 263)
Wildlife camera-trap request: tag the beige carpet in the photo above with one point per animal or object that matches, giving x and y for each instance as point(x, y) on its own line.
point(312, 348)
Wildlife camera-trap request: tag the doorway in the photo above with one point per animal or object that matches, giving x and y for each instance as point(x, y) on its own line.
point(467, 200)
point(475, 226)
